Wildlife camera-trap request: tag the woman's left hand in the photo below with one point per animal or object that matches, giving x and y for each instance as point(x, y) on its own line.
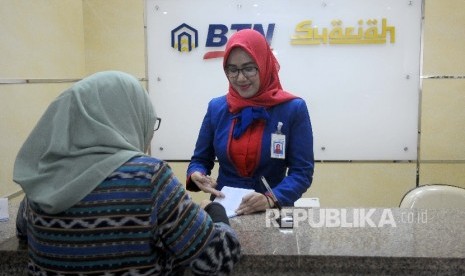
point(252, 203)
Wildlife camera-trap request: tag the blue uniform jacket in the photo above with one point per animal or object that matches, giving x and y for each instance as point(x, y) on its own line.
point(299, 162)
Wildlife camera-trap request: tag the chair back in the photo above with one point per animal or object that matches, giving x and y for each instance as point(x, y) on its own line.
point(435, 196)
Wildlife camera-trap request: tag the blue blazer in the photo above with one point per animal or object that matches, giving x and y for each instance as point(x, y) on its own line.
point(289, 177)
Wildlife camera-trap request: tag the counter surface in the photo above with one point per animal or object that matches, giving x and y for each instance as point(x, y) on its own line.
point(337, 241)
point(356, 241)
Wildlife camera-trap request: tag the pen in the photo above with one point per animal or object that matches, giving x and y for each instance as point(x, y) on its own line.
point(268, 188)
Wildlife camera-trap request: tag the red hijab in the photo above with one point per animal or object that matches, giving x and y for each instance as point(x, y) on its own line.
point(270, 92)
point(245, 151)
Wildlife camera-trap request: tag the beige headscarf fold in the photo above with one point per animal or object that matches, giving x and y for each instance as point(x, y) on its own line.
point(89, 131)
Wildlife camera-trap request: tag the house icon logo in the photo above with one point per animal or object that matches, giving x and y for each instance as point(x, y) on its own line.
point(184, 38)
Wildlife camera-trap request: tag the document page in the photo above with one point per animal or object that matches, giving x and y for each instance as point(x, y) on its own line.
point(4, 214)
point(232, 199)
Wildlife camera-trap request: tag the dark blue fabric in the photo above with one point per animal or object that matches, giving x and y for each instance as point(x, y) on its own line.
point(246, 117)
point(21, 220)
point(289, 178)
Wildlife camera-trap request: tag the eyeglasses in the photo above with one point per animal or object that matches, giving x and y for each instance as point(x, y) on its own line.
point(157, 124)
point(248, 72)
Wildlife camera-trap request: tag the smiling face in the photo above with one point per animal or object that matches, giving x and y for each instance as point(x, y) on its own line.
point(245, 83)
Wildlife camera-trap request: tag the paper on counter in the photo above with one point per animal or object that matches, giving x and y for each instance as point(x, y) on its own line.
point(232, 199)
point(4, 214)
point(308, 202)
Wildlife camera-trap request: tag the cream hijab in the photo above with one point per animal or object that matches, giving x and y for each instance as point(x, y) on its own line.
point(90, 130)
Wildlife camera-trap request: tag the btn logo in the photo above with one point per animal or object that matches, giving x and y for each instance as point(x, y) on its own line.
point(217, 36)
point(184, 38)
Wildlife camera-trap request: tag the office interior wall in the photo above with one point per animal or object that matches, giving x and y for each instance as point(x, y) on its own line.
point(115, 36)
point(42, 46)
point(442, 125)
point(100, 35)
point(41, 39)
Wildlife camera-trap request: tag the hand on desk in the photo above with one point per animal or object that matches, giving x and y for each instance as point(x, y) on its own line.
point(252, 203)
point(206, 183)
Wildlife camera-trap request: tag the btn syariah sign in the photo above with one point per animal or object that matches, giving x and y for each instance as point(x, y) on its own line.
point(306, 34)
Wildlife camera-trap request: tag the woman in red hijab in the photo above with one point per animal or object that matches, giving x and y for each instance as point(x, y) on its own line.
point(243, 129)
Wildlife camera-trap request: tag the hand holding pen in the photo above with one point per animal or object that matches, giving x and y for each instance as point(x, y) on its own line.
point(255, 202)
point(252, 203)
point(270, 192)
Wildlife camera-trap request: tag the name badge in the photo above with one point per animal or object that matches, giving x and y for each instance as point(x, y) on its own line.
point(278, 144)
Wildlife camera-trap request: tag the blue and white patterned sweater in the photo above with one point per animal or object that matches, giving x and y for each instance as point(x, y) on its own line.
point(138, 221)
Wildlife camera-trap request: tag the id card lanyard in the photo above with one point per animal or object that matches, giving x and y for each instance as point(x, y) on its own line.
point(278, 143)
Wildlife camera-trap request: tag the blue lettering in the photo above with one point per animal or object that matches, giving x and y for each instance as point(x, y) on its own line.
point(269, 32)
point(216, 36)
point(239, 27)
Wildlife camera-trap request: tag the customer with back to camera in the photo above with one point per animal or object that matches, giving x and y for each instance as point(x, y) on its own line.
point(256, 129)
point(96, 204)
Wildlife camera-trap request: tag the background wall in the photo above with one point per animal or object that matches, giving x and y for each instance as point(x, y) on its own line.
point(49, 44)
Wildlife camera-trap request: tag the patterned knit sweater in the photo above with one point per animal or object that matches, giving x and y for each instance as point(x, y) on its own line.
point(139, 221)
